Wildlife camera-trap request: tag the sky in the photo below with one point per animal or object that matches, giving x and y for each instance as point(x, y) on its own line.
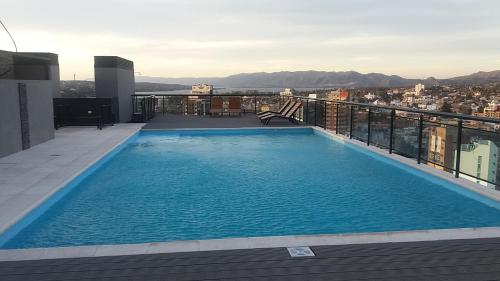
point(212, 38)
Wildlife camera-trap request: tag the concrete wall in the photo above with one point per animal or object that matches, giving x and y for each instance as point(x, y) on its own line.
point(40, 110)
point(40, 114)
point(39, 94)
point(114, 78)
point(10, 123)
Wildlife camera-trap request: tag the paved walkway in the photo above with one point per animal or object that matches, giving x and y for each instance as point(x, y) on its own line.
point(28, 177)
point(456, 260)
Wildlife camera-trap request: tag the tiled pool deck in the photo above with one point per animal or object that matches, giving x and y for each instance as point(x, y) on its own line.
point(31, 176)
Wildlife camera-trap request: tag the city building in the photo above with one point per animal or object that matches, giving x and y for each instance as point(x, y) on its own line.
point(408, 99)
point(197, 104)
point(202, 89)
point(331, 111)
point(341, 95)
point(441, 147)
point(479, 162)
point(491, 111)
point(288, 92)
point(419, 88)
point(370, 96)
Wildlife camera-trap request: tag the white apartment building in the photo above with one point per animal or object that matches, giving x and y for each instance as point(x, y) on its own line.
point(479, 159)
point(370, 96)
point(419, 88)
point(202, 89)
point(288, 92)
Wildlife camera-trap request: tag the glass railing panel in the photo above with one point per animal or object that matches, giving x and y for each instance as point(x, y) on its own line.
point(405, 139)
point(311, 112)
point(344, 119)
point(479, 156)
point(380, 127)
point(320, 113)
point(248, 104)
point(439, 143)
point(331, 116)
point(265, 103)
point(360, 123)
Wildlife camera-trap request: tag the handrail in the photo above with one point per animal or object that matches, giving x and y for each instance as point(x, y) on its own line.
point(205, 95)
point(386, 107)
point(412, 110)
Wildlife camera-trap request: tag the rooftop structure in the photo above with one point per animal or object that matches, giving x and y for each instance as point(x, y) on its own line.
point(28, 83)
point(114, 78)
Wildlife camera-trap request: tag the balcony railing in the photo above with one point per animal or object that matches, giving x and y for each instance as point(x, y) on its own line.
point(146, 106)
point(467, 146)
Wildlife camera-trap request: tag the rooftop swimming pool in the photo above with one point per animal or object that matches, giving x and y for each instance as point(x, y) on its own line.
point(204, 184)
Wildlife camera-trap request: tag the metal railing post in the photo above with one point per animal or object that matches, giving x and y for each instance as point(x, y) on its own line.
point(163, 105)
point(255, 104)
point(306, 120)
point(337, 120)
point(420, 135)
point(369, 125)
point(210, 105)
point(391, 131)
point(351, 119)
point(315, 112)
point(459, 148)
point(324, 113)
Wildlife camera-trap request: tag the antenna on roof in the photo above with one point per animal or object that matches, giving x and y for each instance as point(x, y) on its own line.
point(11, 38)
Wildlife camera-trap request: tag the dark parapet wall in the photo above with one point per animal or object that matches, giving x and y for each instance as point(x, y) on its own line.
point(114, 78)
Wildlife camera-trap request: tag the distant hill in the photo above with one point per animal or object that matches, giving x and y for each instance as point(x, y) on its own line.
point(306, 79)
point(82, 88)
point(481, 77)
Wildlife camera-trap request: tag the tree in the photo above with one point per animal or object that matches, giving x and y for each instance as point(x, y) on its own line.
point(446, 107)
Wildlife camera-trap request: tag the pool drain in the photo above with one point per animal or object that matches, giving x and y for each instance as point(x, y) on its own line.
point(300, 252)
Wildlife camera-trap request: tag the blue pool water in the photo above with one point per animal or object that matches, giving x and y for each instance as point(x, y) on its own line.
point(165, 186)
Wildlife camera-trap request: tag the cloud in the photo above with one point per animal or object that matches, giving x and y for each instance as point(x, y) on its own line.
point(221, 37)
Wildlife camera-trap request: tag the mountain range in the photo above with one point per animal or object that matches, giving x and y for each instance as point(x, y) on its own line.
point(323, 79)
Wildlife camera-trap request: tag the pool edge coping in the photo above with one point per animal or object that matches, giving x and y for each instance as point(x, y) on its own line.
point(230, 129)
point(37, 203)
point(263, 242)
point(248, 243)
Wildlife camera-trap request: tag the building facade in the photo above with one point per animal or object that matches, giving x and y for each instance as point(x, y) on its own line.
point(288, 92)
point(479, 162)
point(202, 89)
point(419, 88)
point(441, 147)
